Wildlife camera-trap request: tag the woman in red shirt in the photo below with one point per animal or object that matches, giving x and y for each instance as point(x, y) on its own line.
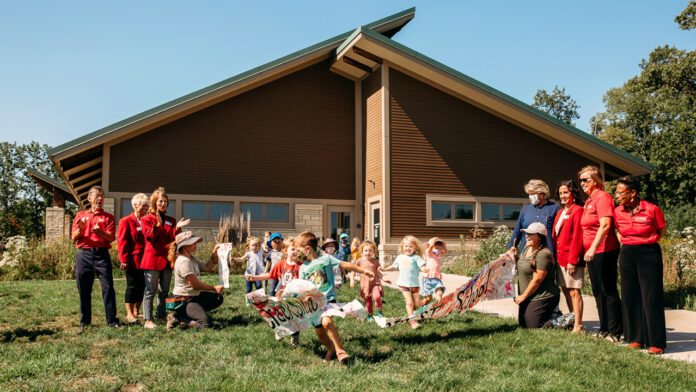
point(160, 231)
point(131, 244)
point(601, 252)
point(641, 225)
point(567, 241)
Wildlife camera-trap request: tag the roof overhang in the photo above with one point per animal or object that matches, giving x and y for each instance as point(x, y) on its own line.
point(368, 49)
point(80, 161)
point(51, 185)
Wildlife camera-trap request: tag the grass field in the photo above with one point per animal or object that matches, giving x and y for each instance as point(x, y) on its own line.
point(39, 350)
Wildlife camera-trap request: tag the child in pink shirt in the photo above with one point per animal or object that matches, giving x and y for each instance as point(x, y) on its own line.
point(432, 281)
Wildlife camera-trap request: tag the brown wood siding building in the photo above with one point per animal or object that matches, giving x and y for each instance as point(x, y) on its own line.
point(443, 145)
point(372, 96)
point(276, 140)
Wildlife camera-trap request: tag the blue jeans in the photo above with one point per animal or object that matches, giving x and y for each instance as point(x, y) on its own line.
point(250, 285)
point(272, 286)
point(156, 281)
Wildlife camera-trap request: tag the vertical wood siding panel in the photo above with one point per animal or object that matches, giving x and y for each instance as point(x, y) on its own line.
point(281, 139)
point(442, 145)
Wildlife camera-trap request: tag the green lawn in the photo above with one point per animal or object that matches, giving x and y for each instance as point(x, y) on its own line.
point(39, 350)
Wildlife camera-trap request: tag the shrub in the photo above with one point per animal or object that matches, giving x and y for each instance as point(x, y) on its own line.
point(469, 263)
point(679, 218)
point(33, 259)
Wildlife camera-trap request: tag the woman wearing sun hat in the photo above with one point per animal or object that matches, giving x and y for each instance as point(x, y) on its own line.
point(198, 298)
point(539, 294)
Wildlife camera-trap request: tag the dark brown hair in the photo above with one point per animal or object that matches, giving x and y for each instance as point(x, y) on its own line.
point(574, 190)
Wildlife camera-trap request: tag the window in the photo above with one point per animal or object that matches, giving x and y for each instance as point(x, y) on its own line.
point(266, 212)
point(456, 211)
point(126, 207)
point(450, 210)
point(199, 210)
point(195, 210)
point(218, 210)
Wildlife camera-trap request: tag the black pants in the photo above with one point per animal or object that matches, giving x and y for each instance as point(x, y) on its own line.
point(135, 285)
point(87, 263)
point(533, 314)
point(197, 307)
point(643, 296)
point(603, 277)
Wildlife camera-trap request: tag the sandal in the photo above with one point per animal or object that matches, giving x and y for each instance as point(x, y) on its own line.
point(329, 356)
point(343, 357)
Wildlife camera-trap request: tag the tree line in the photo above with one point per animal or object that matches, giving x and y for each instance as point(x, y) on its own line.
point(652, 116)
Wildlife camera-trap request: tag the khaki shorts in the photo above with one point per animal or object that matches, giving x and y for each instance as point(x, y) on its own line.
point(574, 281)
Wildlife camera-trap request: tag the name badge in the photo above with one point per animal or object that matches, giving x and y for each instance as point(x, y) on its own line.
point(168, 223)
point(566, 217)
point(139, 228)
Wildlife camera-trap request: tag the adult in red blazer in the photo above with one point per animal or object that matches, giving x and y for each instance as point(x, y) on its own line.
point(567, 240)
point(160, 230)
point(131, 245)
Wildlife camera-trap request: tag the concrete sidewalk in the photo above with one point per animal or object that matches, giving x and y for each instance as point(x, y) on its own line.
point(681, 324)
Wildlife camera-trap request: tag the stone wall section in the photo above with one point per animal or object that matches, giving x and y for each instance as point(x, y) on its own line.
point(57, 224)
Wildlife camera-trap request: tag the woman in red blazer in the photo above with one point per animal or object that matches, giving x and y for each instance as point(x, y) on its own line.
point(131, 245)
point(160, 230)
point(567, 241)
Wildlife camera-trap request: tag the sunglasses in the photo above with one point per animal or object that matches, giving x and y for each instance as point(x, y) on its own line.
point(584, 180)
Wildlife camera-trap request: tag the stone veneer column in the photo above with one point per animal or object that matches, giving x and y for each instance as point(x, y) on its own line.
point(309, 217)
point(57, 226)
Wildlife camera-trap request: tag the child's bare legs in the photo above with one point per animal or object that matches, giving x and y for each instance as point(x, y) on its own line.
point(408, 296)
point(424, 301)
point(324, 338)
point(438, 294)
point(328, 335)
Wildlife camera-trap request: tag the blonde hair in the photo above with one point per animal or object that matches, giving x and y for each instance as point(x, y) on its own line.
point(287, 243)
point(366, 244)
point(409, 238)
point(355, 244)
point(138, 199)
point(537, 186)
point(159, 192)
point(593, 171)
point(250, 240)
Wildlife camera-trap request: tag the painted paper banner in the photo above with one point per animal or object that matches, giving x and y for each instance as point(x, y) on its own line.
point(301, 306)
point(494, 281)
point(223, 254)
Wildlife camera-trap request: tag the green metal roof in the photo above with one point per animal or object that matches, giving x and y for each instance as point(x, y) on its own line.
point(52, 182)
point(497, 93)
point(406, 15)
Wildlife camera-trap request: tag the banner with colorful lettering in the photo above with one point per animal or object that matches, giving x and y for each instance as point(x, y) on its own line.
point(494, 281)
point(223, 254)
point(301, 306)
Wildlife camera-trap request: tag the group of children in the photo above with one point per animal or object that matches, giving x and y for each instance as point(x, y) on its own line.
point(302, 258)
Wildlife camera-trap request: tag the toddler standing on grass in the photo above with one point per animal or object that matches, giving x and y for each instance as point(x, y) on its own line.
point(275, 255)
point(355, 255)
point(371, 288)
point(283, 272)
point(255, 265)
point(409, 263)
point(432, 281)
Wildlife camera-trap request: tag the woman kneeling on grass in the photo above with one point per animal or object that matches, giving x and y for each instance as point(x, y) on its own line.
point(188, 285)
point(536, 272)
point(319, 270)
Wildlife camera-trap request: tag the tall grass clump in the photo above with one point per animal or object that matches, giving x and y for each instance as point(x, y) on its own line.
point(679, 258)
point(469, 262)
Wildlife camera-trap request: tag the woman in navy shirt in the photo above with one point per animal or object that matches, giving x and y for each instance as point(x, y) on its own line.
point(540, 210)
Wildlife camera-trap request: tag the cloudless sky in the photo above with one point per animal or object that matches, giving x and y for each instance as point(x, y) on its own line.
point(68, 68)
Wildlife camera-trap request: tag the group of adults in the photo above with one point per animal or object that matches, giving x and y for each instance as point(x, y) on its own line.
point(147, 240)
point(558, 242)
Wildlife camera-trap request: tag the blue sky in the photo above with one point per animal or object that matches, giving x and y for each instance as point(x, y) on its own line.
point(71, 67)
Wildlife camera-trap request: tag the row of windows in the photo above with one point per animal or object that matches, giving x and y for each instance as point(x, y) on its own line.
point(455, 211)
point(213, 211)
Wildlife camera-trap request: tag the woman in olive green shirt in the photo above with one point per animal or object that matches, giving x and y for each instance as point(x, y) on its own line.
point(535, 269)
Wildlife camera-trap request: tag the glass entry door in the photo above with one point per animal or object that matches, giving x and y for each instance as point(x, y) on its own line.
point(340, 221)
point(375, 232)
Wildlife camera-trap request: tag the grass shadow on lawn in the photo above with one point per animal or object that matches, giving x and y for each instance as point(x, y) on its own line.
point(24, 334)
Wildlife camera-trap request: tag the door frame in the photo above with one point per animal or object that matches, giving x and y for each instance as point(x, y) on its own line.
point(340, 208)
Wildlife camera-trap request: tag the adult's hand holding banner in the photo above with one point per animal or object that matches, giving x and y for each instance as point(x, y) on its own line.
point(301, 306)
point(494, 281)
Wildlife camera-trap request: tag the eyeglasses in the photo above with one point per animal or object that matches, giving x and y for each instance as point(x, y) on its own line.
point(584, 180)
point(620, 193)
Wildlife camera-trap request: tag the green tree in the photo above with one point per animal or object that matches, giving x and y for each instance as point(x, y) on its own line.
point(652, 116)
point(557, 104)
point(687, 19)
point(22, 202)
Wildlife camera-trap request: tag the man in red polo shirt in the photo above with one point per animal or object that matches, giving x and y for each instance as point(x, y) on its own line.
point(93, 231)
